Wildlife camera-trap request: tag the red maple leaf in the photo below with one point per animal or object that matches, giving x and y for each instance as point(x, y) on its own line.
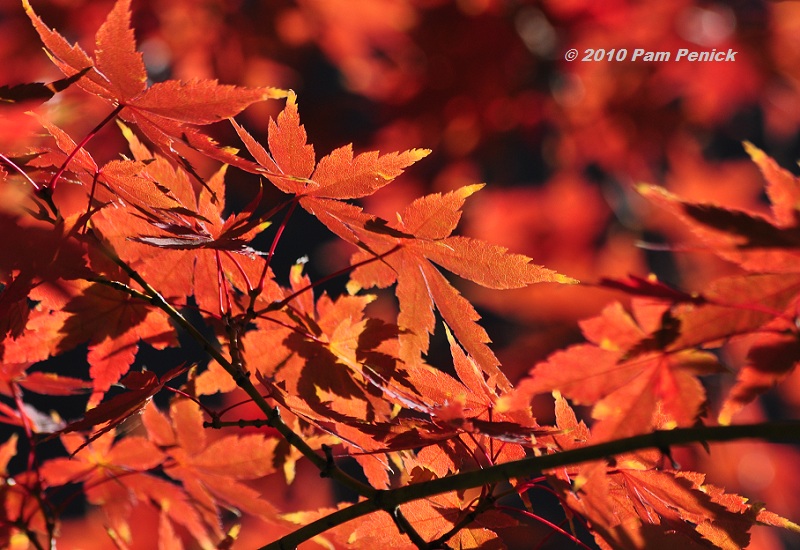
point(754, 241)
point(409, 247)
point(165, 112)
point(212, 471)
point(420, 235)
point(114, 474)
point(625, 382)
point(112, 412)
point(113, 323)
point(208, 255)
point(31, 254)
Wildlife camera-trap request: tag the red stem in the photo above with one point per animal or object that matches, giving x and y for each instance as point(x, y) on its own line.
point(242, 272)
point(182, 393)
point(84, 141)
point(274, 245)
point(37, 491)
point(550, 524)
point(482, 449)
point(11, 163)
point(223, 287)
point(91, 197)
point(230, 408)
point(279, 305)
point(531, 483)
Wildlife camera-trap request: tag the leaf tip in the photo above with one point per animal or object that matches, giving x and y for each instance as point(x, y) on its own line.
point(277, 93)
point(755, 154)
point(725, 416)
point(504, 404)
point(353, 287)
point(417, 154)
point(469, 190)
point(649, 190)
point(565, 280)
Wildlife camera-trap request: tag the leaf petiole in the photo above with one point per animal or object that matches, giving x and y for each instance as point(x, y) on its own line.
point(281, 304)
point(54, 180)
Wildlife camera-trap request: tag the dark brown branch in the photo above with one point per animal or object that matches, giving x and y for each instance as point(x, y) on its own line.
point(777, 432)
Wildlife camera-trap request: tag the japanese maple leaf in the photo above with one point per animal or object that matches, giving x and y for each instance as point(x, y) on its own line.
point(111, 413)
point(291, 164)
point(421, 233)
point(19, 513)
point(634, 505)
point(756, 309)
point(631, 503)
point(473, 406)
point(114, 474)
point(38, 90)
point(165, 112)
point(726, 307)
point(626, 386)
point(113, 323)
point(734, 306)
point(331, 364)
point(409, 247)
point(124, 183)
point(32, 254)
point(756, 242)
point(773, 354)
point(321, 188)
point(437, 410)
point(211, 472)
point(327, 360)
point(432, 517)
point(206, 253)
point(46, 383)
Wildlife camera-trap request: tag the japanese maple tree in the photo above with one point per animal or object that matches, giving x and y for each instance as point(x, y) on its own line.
point(144, 251)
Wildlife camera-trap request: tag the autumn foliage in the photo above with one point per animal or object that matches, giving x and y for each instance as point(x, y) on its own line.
point(199, 379)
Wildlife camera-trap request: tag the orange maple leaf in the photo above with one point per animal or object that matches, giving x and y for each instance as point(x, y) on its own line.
point(208, 255)
point(212, 471)
point(626, 383)
point(114, 475)
point(410, 246)
point(754, 241)
point(165, 112)
point(113, 323)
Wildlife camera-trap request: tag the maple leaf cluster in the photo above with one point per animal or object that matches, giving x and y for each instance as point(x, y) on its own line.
point(142, 252)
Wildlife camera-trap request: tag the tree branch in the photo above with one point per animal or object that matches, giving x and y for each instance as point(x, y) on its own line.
point(777, 432)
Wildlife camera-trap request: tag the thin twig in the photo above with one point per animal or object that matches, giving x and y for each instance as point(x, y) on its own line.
point(280, 305)
point(405, 528)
